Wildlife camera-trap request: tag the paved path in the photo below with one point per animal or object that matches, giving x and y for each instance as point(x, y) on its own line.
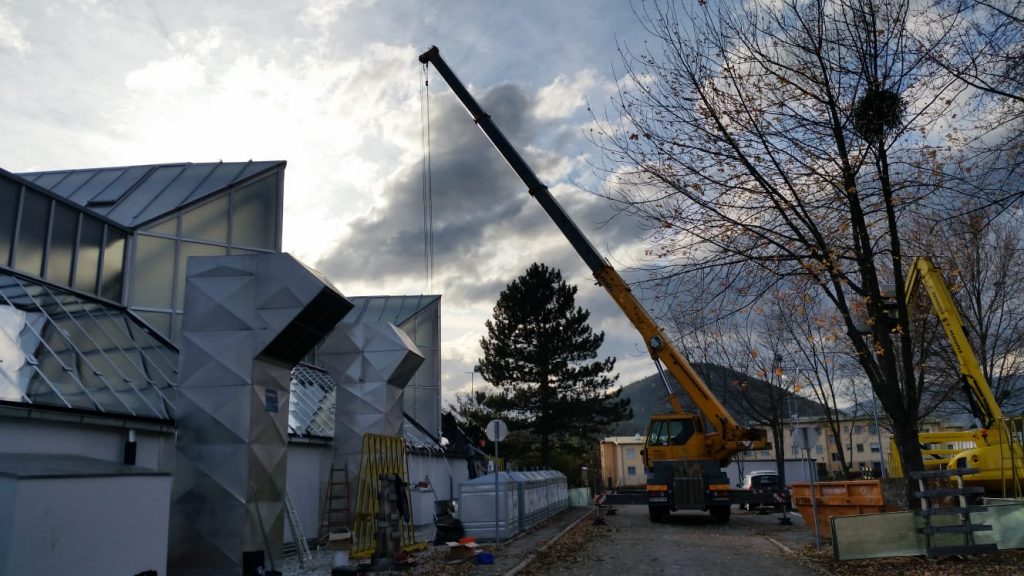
point(688, 543)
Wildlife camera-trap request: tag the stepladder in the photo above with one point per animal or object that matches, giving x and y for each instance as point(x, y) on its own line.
point(336, 517)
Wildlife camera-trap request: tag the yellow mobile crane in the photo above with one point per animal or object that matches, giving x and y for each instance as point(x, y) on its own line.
point(684, 452)
point(991, 448)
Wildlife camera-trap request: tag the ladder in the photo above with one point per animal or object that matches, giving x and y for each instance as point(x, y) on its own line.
point(941, 537)
point(293, 522)
point(336, 517)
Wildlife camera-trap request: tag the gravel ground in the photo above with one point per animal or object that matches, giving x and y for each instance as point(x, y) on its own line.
point(626, 543)
point(433, 561)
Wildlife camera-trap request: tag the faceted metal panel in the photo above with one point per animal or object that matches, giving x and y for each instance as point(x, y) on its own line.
point(234, 403)
point(370, 364)
point(419, 317)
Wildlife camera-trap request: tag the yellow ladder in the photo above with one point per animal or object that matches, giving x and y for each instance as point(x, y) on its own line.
point(382, 455)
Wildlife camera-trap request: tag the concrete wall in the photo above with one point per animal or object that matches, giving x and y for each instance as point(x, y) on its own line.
point(308, 468)
point(94, 526)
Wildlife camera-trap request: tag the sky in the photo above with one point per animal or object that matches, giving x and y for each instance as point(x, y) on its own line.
point(335, 89)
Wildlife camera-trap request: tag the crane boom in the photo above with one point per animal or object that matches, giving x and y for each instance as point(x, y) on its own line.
point(729, 438)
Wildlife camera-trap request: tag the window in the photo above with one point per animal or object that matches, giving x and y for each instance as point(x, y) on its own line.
point(819, 449)
point(154, 272)
point(630, 453)
point(254, 214)
point(631, 471)
point(63, 235)
point(207, 221)
point(113, 261)
point(872, 428)
point(796, 450)
point(860, 447)
point(35, 221)
point(875, 447)
point(87, 265)
point(835, 457)
point(858, 429)
point(9, 193)
point(673, 431)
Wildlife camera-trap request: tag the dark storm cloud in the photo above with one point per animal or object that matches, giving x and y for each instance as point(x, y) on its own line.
point(479, 205)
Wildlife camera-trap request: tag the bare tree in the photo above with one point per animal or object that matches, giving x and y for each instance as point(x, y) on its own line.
point(980, 43)
point(822, 361)
point(787, 139)
point(982, 260)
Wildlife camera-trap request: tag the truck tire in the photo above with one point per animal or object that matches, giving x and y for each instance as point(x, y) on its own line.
point(720, 513)
point(657, 513)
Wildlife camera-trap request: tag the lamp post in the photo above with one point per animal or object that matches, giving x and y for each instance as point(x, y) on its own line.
point(472, 378)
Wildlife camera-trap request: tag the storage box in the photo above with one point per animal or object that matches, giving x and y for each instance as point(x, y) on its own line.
point(460, 551)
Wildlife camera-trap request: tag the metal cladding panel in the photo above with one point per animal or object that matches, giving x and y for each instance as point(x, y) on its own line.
point(418, 317)
point(370, 364)
point(234, 403)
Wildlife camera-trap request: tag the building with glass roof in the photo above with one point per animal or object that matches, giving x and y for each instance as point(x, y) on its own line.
point(92, 278)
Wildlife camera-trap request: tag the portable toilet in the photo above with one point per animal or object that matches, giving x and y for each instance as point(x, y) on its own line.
point(477, 507)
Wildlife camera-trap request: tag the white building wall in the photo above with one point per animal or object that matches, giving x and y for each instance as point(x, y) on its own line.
point(309, 466)
point(84, 435)
point(84, 526)
point(433, 478)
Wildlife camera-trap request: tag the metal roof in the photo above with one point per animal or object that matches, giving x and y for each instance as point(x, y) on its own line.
point(61, 349)
point(380, 309)
point(134, 195)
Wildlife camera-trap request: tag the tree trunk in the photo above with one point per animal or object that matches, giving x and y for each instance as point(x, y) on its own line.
point(908, 445)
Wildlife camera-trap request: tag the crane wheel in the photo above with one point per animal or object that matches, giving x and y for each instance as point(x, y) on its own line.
point(657, 513)
point(720, 513)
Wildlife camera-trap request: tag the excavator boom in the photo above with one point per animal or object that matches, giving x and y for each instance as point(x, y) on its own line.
point(923, 271)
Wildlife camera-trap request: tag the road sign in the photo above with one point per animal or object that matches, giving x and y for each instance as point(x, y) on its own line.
point(496, 430)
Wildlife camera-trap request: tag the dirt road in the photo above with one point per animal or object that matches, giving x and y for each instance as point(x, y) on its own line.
point(628, 543)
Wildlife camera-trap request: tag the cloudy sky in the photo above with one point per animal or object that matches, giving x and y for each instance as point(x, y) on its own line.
point(334, 88)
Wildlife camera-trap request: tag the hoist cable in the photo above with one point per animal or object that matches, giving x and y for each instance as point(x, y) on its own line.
point(427, 183)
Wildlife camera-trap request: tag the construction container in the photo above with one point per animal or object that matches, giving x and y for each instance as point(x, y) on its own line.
point(525, 499)
point(477, 507)
point(842, 498)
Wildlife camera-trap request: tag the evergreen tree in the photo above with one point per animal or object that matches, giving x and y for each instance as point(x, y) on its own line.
point(541, 355)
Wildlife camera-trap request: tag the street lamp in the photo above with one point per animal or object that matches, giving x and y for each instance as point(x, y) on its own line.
point(472, 377)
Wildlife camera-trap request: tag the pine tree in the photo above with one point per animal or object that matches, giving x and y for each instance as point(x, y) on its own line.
point(541, 355)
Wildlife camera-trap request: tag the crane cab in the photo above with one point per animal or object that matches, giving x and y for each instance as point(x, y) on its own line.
point(674, 436)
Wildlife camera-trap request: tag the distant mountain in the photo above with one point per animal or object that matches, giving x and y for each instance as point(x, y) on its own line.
point(647, 396)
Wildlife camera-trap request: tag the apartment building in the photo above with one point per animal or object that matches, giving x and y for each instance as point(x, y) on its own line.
point(622, 464)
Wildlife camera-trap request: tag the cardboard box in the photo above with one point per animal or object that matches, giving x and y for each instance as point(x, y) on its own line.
point(461, 551)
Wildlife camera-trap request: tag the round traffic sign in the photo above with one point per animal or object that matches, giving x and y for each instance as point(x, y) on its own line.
point(496, 430)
